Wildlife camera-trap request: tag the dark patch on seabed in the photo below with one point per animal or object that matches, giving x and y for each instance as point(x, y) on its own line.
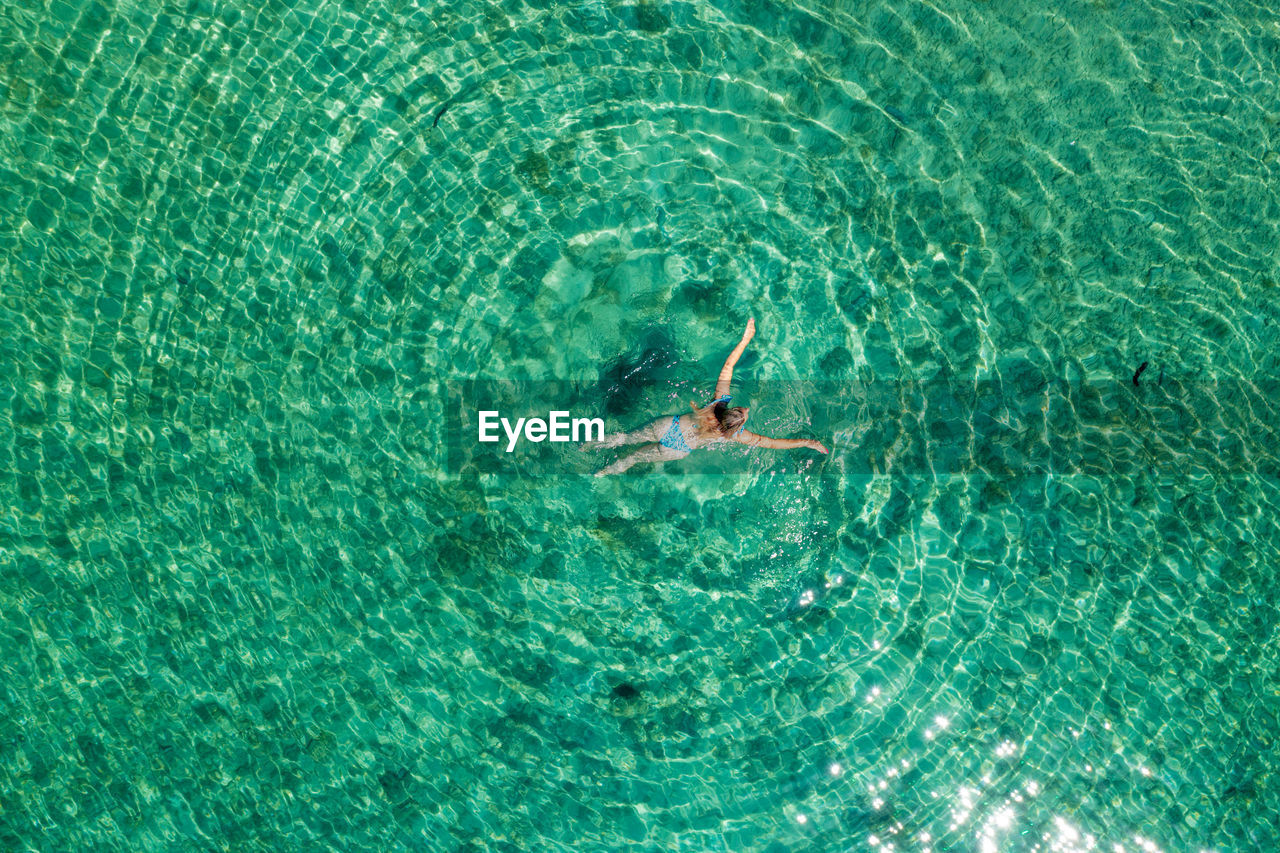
point(625, 382)
point(626, 691)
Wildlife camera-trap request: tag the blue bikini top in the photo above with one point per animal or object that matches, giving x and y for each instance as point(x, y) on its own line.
point(674, 438)
point(725, 399)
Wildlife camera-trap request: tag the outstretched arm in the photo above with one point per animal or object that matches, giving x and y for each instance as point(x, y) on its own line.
point(752, 440)
point(726, 372)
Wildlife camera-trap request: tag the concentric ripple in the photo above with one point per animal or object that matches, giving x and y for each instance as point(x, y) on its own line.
point(253, 599)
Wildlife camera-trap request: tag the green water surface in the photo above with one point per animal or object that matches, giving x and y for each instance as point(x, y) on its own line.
point(256, 594)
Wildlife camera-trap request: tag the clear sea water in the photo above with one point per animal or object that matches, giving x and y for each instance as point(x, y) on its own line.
point(253, 596)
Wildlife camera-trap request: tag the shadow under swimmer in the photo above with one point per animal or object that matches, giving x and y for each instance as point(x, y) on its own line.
point(557, 427)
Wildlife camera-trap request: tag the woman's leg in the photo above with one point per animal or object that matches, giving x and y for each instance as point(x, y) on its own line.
point(648, 453)
point(652, 431)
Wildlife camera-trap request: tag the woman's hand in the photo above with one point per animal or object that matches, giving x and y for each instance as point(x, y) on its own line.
point(817, 445)
point(751, 330)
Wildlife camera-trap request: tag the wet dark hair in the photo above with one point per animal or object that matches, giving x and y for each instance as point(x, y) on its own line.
point(731, 419)
point(719, 418)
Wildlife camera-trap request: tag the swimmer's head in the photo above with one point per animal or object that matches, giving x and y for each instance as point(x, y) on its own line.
point(719, 419)
point(731, 419)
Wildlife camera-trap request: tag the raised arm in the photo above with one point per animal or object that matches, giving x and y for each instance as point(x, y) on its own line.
point(751, 439)
point(726, 372)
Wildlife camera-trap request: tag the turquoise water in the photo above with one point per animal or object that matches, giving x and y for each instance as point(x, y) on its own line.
point(259, 592)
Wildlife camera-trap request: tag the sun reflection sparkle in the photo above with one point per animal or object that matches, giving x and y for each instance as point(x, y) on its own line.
point(987, 811)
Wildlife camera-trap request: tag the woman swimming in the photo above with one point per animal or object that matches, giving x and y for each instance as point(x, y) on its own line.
point(712, 424)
